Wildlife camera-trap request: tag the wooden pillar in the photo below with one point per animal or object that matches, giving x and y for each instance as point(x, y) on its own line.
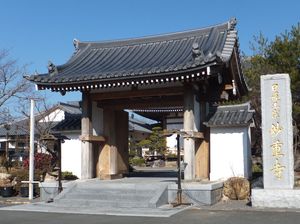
point(202, 151)
point(202, 146)
point(190, 123)
point(87, 165)
point(113, 157)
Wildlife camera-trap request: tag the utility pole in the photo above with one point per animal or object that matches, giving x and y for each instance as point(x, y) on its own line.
point(7, 127)
point(31, 150)
point(31, 181)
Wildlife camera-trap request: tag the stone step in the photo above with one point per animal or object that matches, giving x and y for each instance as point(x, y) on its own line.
point(113, 194)
point(114, 191)
point(119, 186)
point(108, 196)
point(102, 203)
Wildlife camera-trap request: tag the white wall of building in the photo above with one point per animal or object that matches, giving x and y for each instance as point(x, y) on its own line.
point(55, 116)
point(71, 154)
point(230, 153)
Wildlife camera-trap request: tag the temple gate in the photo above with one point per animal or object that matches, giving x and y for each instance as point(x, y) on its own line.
point(188, 70)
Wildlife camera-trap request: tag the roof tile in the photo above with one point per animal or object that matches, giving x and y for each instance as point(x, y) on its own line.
point(229, 116)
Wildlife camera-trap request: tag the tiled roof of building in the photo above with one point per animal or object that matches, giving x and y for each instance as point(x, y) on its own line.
point(70, 107)
point(73, 122)
point(133, 61)
point(70, 123)
point(17, 128)
point(138, 128)
point(232, 115)
point(21, 127)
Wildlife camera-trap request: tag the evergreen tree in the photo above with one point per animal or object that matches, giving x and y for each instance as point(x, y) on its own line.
point(155, 142)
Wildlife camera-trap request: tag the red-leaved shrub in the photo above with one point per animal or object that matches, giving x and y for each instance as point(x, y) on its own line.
point(42, 161)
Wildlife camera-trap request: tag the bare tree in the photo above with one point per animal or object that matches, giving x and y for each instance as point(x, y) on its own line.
point(44, 123)
point(13, 87)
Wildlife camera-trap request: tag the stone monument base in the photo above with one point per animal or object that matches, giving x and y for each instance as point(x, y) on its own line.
point(276, 198)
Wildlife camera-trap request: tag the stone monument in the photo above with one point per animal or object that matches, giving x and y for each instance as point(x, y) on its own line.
point(277, 133)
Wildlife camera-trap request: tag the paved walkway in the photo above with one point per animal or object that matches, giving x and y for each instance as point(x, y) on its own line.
point(164, 211)
point(17, 200)
point(191, 216)
point(23, 204)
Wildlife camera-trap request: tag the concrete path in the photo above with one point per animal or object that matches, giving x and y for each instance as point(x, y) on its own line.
point(191, 216)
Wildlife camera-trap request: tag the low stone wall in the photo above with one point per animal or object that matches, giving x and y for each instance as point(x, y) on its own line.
point(49, 190)
point(207, 193)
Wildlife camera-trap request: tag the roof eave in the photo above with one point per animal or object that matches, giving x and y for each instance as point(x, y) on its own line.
point(199, 72)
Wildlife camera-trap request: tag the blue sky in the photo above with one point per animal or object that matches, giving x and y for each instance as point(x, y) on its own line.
point(36, 31)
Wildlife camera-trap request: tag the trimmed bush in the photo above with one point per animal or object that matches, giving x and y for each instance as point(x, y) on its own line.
point(137, 161)
point(66, 175)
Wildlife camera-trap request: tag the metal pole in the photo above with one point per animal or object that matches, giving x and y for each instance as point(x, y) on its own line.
point(6, 146)
point(179, 190)
point(31, 150)
point(59, 164)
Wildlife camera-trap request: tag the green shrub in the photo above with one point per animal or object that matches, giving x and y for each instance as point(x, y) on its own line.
point(66, 175)
point(172, 155)
point(137, 161)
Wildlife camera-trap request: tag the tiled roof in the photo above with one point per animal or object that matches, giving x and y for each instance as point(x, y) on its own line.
point(232, 115)
point(21, 128)
point(70, 107)
point(125, 61)
point(71, 122)
point(138, 128)
point(17, 128)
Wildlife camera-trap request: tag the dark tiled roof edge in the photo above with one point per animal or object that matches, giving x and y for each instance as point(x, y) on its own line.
point(231, 116)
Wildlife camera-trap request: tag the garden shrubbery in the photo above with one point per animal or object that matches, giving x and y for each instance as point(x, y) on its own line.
point(42, 161)
point(66, 175)
point(137, 161)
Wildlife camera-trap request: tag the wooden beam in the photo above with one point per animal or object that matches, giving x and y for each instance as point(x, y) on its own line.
point(193, 134)
point(136, 93)
point(91, 138)
point(142, 103)
point(184, 134)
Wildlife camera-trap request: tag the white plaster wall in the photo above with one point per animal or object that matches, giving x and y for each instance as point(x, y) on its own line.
point(57, 115)
point(229, 153)
point(71, 155)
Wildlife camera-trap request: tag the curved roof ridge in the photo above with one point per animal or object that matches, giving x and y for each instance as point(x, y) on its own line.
point(154, 38)
point(235, 105)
